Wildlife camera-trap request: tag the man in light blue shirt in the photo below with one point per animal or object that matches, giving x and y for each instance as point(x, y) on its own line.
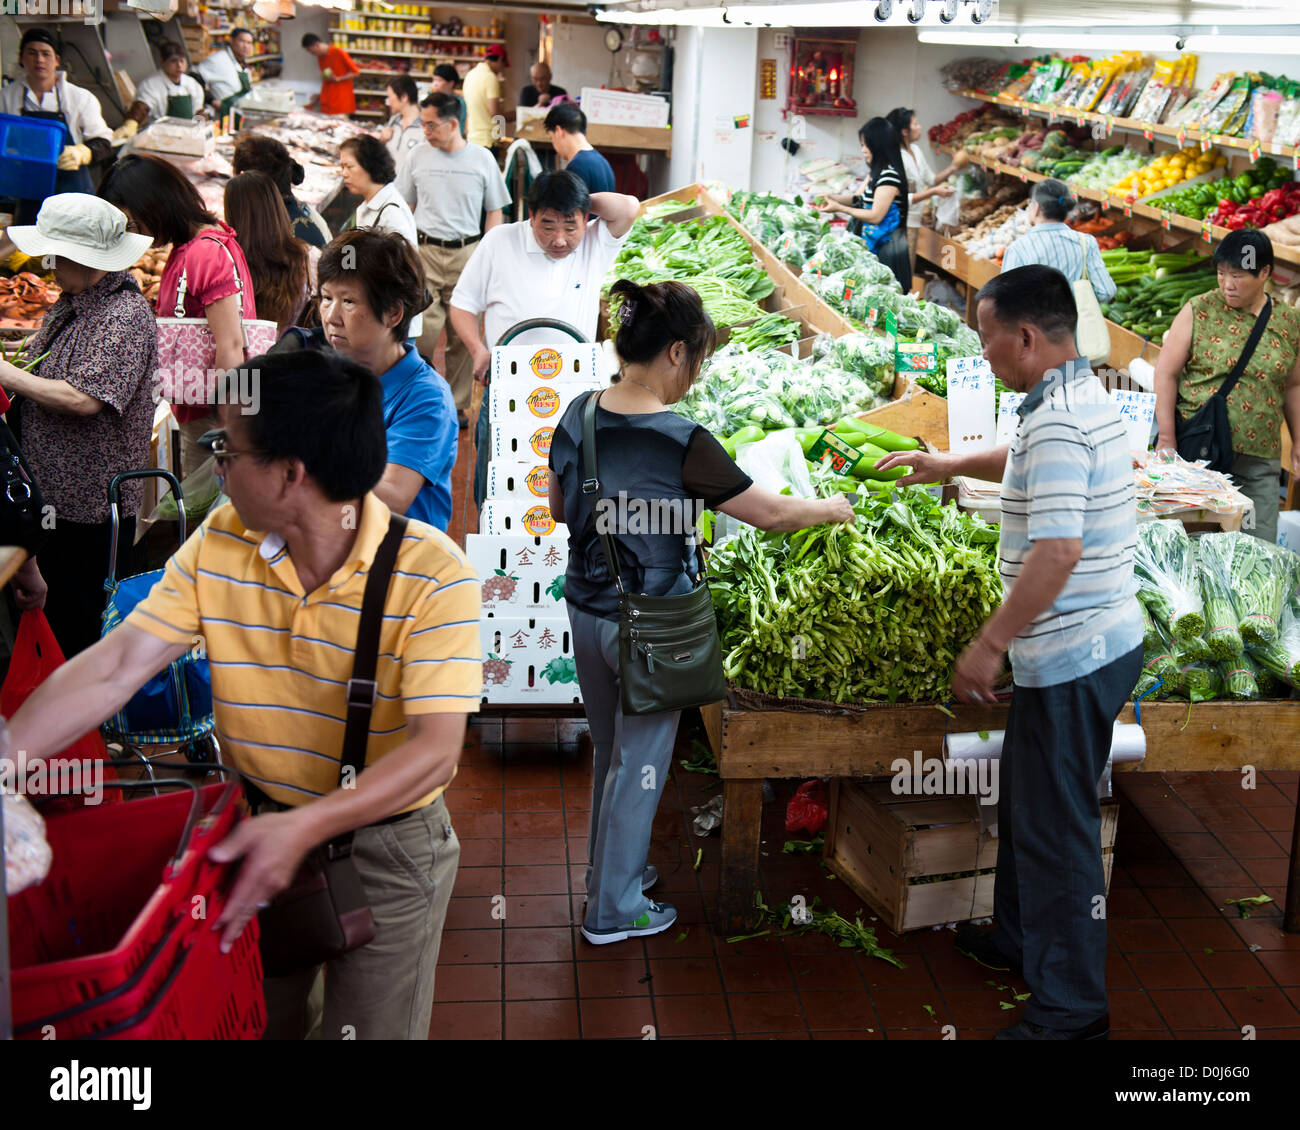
point(1053, 243)
point(1071, 621)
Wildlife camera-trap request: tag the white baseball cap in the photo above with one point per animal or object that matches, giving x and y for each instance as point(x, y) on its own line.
point(84, 229)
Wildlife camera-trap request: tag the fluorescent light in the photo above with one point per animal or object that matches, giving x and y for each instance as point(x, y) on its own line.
point(969, 38)
point(1073, 41)
point(822, 13)
point(1285, 43)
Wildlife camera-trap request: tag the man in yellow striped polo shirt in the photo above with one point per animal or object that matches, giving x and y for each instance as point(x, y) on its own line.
point(274, 583)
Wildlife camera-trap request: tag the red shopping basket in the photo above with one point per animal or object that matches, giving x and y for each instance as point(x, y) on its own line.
point(119, 930)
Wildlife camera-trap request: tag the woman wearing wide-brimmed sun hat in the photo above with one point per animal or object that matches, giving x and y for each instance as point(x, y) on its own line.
point(87, 409)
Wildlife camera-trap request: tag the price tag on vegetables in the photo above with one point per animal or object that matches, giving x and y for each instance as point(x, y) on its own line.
point(891, 325)
point(1138, 410)
point(830, 448)
point(1206, 144)
point(971, 407)
point(1182, 137)
point(1207, 231)
point(1254, 151)
point(1165, 222)
point(1008, 418)
point(916, 357)
point(1149, 134)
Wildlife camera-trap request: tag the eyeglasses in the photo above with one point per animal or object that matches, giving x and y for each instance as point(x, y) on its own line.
point(215, 442)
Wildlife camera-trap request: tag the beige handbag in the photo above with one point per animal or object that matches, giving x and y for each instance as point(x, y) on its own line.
point(1091, 335)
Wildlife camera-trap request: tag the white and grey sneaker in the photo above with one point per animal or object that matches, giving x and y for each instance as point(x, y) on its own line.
point(658, 917)
point(649, 877)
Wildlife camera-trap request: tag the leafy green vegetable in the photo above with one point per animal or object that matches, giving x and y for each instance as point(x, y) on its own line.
point(874, 610)
point(1214, 554)
point(1165, 564)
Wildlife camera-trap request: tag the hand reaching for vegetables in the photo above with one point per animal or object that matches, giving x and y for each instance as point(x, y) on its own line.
point(944, 190)
point(839, 509)
point(926, 468)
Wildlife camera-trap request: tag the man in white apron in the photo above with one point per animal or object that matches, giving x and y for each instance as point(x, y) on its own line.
point(45, 93)
point(225, 73)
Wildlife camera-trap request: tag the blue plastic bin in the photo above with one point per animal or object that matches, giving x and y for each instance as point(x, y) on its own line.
point(29, 152)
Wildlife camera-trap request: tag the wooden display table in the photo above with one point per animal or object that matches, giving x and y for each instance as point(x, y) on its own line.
point(751, 745)
point(608, 139)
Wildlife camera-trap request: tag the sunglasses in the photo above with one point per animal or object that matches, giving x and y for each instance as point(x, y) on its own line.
point(215, 442)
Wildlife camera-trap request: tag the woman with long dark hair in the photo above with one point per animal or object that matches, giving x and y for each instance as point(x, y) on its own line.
point(879, 208)
point(923, 182)
point(161, 203)
point(278, 263)
point(646, 452)
point(255, 152)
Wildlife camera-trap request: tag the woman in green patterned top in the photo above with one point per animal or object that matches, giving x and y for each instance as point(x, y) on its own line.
point(1203, 346)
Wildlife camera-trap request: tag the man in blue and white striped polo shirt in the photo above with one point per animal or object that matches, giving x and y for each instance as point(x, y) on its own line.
point(1071, 622)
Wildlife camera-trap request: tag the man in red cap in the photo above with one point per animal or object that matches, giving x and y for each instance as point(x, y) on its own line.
point(482, 92)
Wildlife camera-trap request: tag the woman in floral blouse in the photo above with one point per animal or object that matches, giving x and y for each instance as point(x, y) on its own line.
point(1201, 349)
point(87, 412)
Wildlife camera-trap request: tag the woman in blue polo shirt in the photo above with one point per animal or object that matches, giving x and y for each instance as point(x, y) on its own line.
point(370, 285)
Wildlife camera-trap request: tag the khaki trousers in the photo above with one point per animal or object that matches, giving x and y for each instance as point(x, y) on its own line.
point(442, 268)
point(192, 455)
point(384, 990)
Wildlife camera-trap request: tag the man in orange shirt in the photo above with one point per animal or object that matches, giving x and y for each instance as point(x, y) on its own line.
point(337, 72)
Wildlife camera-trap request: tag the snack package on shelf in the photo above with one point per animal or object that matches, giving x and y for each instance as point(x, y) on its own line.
point(1184, 88)
point(1265, 108)
point(1151, 102)
point(1194, 113)
point(970, 74)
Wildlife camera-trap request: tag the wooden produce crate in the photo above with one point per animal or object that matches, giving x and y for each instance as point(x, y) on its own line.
point(886, 847)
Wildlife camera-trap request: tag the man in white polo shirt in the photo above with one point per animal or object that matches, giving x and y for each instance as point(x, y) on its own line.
point(449, 184)
point(551, 265)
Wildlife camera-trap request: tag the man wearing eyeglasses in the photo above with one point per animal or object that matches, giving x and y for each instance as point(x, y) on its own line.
point(274, 585)
point(449, 184)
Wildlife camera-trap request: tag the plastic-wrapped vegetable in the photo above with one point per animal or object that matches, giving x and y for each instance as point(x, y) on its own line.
point(856, 290)
point(1281, 657)
point(1165, 564)
point(1192, 650)
point(1214, 553)
point(1150, 637)
point(1261, 581)
point(1199, 682)
point(794, 247)
point(868, 355)
point(1239, 679)
point(840, 251)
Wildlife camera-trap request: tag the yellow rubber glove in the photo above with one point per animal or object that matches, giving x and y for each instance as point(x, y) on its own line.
point(73, 157)
point(329, 74)
point(127, 129)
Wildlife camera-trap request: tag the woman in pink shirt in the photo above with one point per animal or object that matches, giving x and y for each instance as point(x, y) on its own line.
point(160, 202)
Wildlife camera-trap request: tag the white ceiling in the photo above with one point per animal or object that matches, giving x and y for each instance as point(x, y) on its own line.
point(1054, 13)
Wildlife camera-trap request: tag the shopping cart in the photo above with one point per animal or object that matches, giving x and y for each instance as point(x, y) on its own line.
point(118, 944)
point(173, 710)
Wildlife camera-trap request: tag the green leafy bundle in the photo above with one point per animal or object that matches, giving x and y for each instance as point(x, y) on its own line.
point(1214, 554)
point(1262, 577)
point(876, 610)
point(1165, 564)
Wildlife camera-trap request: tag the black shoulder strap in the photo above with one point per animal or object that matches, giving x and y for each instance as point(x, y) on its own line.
point(591, 488)
point(361, 687)
point(1256, 332)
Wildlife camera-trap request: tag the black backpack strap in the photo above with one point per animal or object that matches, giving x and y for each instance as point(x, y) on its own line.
point(361, 687)
point(1256, 332)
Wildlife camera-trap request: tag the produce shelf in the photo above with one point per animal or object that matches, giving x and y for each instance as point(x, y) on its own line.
point(1290, 256)
point(391, 74)
point(1180, 134)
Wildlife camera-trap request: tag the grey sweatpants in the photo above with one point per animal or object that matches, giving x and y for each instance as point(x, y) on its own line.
point(1258, 479)
point(632, 756)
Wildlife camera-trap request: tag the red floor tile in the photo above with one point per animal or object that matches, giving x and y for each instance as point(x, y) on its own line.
point(1180, 902)
point(684, 976)
point(1131, 1009)
point(1183, 1010)
point(471, 824)
point(536, 851)
point(545, 880)
point(614, 1019)
point(856, 1034)
point(1216, 872)
point(692, 1015)
point(624, 977)
point(756, 974)
point(539, 981)
point(1266, 933)
point(468, 983)
point(519, 824)
point(1142, 934)
point(463, 802)
point(764, 1012)
point(1189, 846)
point(814, 972)
point(537, 910)
point(1268, 872)
point(774, 1036)
point(534, 800)
point(1228, 970)
point(973, 1009)
point(1249, 845)
point(1199, 934)
point(463, 1021)
point(541, 1020)
point(478, 881)
point(471, 914)
point(1165, 971)
point(1283, 967)
point(553, 943)
point(470, 947)
point(1261, 1007)
point(841, 1010)
point(1227, 818)
point(906, 1008)
point(682, 940)
point(480, 852)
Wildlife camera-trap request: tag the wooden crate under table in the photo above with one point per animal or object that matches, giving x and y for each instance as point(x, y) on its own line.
point(881, 843)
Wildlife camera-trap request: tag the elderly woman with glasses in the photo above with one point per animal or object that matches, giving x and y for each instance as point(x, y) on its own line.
point(87, 409)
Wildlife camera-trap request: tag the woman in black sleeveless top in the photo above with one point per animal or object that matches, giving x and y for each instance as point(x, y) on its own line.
point(658, 470)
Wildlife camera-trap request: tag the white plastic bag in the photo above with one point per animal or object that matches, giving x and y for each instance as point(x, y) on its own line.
point(947, 213)
point(27, 855)
point(774, 463)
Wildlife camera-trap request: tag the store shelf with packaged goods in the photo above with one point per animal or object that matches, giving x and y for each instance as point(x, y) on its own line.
point(431, 57)
point(386, 16)
point(390, 74)
point(1289, 256)
point(412, 35)
point(1179, 134)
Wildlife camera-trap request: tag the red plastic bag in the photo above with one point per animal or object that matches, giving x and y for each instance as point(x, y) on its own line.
point(808, 808)
point(37, 656)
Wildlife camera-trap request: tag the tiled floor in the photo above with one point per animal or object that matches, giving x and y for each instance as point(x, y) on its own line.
point(1182, 964)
